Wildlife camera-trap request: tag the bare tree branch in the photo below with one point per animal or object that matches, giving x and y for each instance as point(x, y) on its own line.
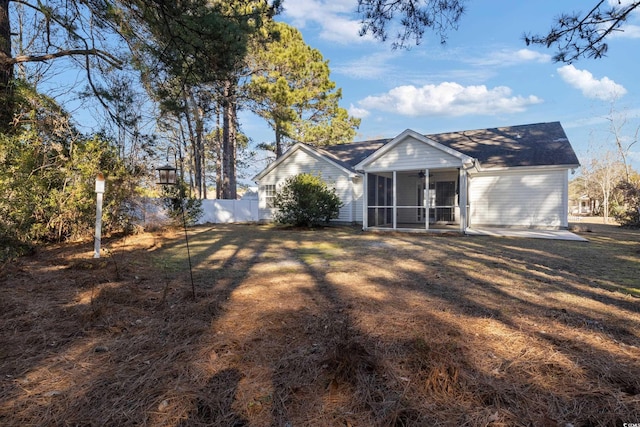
point(110, 59)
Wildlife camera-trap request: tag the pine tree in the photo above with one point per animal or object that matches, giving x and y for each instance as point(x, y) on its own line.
point(291, 89)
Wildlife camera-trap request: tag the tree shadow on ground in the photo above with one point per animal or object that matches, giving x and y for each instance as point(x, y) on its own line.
point(128, 342)
point(214, 401)
point(331, 327)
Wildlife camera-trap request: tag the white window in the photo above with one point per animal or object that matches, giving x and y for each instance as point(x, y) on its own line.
point(269, 192)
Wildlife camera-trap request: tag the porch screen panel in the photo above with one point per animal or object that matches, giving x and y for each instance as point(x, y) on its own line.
point(442, 201)
point(410, 211)
point(445, 201)
point(379, 200)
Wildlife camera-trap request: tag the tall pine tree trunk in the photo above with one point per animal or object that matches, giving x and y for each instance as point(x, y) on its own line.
point(203, 169)
point(6, 69)
point(218, 158)
point(197, 154)
point(278, 141)
point(195, 123)
point(229, 141)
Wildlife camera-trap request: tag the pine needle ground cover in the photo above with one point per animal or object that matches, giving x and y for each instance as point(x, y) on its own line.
point(331, 327)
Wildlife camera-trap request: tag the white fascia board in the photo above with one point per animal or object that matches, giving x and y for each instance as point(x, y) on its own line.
point(411, 133)
point(526, 168)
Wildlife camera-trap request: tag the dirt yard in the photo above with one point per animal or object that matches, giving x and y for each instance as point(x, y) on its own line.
point(332, 327)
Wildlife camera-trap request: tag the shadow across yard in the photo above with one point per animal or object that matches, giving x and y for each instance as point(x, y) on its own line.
point(326, 327)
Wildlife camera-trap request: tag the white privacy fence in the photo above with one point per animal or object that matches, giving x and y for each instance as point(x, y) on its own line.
point(213, 211)
point(228, 211)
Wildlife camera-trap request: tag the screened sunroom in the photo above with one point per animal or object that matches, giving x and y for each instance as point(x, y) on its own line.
point(417, 199)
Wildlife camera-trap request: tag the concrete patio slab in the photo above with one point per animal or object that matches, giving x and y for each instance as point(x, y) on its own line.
point(528, 233)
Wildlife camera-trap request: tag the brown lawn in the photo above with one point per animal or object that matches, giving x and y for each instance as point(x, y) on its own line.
point(332, 327)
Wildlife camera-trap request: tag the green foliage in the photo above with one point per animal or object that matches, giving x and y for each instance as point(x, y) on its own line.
point(628, 215)
point(47, 176)
point(177, 203)
point(305, 200)
point(190, 42)
point(191, 55)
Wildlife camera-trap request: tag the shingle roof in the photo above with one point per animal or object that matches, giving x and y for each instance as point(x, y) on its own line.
point(540, 144)
point(349, 155)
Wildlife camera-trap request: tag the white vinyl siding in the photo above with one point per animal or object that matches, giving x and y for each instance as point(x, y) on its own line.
point(357, 199)
point(413, 154)
point(518, 199)
point(303, 161)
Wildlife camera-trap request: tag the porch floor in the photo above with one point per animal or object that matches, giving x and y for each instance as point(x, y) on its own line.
point(489, 231)
point(530, 233)
point(421, 227)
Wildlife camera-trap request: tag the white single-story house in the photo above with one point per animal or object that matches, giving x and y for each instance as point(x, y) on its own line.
point(502, 177)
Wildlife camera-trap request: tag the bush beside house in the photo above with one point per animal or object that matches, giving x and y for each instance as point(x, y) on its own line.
point(306, 200)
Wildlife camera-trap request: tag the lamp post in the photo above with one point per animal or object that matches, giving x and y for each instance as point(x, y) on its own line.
point(167, 175)
point(99, 193)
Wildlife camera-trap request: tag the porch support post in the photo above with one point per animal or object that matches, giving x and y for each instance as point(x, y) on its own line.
point(365, 201)
point(463, 199)
point(427, 201)
point(395, 200)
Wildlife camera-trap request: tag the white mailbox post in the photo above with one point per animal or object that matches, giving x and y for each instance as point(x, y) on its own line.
point(99, 193)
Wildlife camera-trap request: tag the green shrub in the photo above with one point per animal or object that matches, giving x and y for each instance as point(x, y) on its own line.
point(629, 214)
point(305, 200)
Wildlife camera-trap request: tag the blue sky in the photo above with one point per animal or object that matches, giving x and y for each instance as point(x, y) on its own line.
point(484, 76)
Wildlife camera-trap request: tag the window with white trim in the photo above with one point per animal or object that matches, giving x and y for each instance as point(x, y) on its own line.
point(269, 192)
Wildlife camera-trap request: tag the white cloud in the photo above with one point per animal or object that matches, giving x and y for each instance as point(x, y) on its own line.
point(302, 11)
point(333, 17)
point(626, 31)
point(527, 55)
point(617, 3)
point(604, 89)
point(449, 99)
point(357, 112)
point(629, 31)
point(374, 66)
point(508, 57)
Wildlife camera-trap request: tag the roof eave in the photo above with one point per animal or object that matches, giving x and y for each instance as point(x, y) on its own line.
point(533, 167)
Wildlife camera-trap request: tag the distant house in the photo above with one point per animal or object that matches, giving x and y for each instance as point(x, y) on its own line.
point(582, 205)
point(503, 177)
